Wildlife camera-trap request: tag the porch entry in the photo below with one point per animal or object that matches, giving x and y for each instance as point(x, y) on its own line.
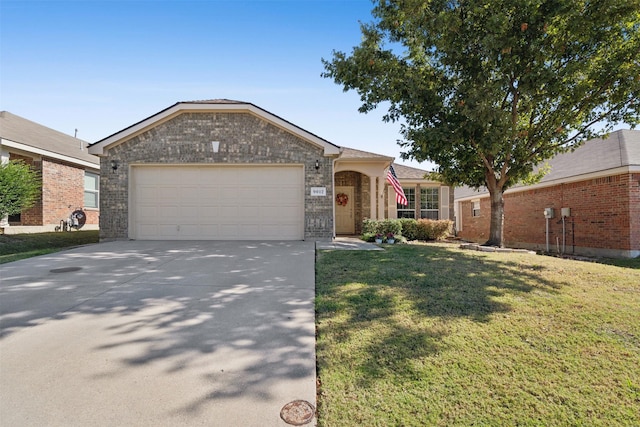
point(344, 203)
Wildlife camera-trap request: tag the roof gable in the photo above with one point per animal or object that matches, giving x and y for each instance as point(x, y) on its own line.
point(210, 106)
point(18, 132)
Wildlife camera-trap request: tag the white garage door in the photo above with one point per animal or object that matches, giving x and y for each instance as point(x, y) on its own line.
point(217, 203)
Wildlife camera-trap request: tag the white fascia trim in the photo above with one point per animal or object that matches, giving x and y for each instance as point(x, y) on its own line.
point(46, 153)
point(99, 147)
point(568, 180)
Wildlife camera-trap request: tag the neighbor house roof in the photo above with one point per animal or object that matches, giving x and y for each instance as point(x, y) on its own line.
point(618, 153)
point(22, 134)
point(211, 105)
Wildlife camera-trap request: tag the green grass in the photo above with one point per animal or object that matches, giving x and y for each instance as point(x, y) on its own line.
point(19, 246)
point(431, 335)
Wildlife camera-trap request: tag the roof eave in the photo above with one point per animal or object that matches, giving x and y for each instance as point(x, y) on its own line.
point(99, 147)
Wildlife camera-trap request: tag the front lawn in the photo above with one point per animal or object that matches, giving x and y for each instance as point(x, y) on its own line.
point(19, 246)
point(431, 335)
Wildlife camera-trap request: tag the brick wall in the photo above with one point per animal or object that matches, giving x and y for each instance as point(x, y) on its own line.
point(244, 139)
point(605, 214)
point(63, 192)
point(634, 209)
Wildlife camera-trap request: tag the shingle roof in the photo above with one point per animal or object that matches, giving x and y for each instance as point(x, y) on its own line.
point(407, 172)
point(215, 101)
point(621, 149)
point(353, 154)
point(18, 129)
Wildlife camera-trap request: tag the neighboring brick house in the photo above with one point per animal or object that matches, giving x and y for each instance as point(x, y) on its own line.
point(222, 169)
point(598, 185)
point(70, 175)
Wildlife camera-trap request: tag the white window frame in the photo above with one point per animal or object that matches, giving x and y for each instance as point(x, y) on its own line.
point(434, 203)
point(475, 208)
point(410, 193)
point(95, 192)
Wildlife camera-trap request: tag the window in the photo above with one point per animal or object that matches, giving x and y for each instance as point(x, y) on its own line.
point(475, 208)
point(429, 202)
point(91, 190)
point(410, 210)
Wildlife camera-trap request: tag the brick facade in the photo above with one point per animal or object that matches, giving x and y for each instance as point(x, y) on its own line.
point(605, 217)
point(186, 139)
point(62, 192)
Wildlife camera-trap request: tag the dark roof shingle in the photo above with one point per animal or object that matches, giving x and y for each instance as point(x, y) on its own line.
point(18, 129)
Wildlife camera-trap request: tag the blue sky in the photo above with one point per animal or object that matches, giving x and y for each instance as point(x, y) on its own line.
point(100, 66)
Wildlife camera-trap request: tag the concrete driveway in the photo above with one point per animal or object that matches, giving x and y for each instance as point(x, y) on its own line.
point(158, 334)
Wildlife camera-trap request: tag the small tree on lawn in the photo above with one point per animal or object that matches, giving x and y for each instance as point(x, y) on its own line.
point(488, 89)
point(19, 187)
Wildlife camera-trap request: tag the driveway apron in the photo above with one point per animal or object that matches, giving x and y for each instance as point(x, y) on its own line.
point(143, 333)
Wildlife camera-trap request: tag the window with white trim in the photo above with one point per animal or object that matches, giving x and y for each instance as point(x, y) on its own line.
point(91, 190)
point(430, 202)
point(475, 208)
point(408, 211)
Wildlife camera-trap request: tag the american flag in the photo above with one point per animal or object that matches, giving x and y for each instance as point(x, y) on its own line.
point(393, 180)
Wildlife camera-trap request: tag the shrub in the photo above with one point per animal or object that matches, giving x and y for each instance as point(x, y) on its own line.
point(428, 229)
point(390, 226)
point(19, 187)
point(369, 226)
point(384, 227)
point(409, 228)
point(368, 237)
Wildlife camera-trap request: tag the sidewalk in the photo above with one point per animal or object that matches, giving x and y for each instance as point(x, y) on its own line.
point(347, 243)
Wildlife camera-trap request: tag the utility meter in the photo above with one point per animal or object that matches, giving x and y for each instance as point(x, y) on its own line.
point(548, 213)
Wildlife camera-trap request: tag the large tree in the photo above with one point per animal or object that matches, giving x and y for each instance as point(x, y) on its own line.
point(19, 187)
point(489, 89)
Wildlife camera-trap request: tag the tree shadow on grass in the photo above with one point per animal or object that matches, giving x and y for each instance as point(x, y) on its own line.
point(391, 292)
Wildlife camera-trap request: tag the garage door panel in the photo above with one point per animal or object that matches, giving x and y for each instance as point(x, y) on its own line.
point(218, 202)
point(208, 192)
point(189, 194)
point(167, 230)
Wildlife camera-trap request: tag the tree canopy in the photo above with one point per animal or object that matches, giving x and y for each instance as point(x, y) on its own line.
point(489, 89)
point(19, 187)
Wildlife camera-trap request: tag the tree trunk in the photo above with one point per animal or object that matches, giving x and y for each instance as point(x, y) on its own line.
point(497, 220)
point(496, 228)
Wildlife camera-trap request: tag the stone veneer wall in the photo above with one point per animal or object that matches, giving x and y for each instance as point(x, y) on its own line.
point(186, 139)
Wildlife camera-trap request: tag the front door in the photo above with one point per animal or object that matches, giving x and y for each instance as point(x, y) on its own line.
point(344, 203)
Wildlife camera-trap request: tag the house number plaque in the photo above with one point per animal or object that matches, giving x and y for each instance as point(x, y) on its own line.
point(318, 191)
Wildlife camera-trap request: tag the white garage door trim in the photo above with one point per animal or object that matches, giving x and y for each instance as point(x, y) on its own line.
point(216, 202)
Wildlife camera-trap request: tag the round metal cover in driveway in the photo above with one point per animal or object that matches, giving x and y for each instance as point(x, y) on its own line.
point(297, 413)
